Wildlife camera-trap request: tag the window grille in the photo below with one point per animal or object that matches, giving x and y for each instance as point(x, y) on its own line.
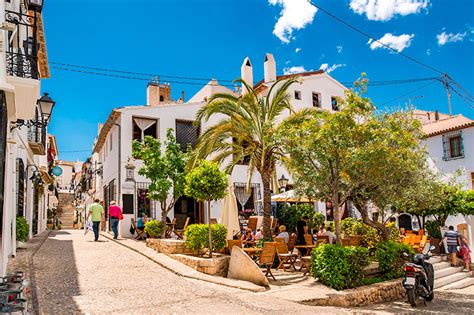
point(453, 146)
point(186, 133)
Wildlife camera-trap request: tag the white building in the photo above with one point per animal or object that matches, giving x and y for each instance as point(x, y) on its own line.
point(450, 144)
point(25, 148)
point(113, 146)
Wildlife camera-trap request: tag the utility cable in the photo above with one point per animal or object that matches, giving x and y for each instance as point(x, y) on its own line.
point(373, 38)
point(408, 93)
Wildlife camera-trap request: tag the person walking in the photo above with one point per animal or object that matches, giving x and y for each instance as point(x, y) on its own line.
point(465, 253)
point(453, 239)
point(115, 213)
point(96, 211)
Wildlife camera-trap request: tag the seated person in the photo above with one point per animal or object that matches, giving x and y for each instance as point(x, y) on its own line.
point(259, 235)
point(141, 222)
point(321, 231)
point(331, 235)
point(248, 238)
point(283, 233)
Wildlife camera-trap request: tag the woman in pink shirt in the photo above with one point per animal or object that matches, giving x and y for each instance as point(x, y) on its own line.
point(115, 213)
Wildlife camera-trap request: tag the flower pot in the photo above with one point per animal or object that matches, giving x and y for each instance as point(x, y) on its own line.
point(438, 249)
point(50, 226)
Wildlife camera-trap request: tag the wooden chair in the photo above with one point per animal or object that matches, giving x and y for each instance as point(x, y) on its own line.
point(292, 243)
point(180, 232)
point(170, 228)
point(355, 240)
point(266, 258)
point(306, 264)
point(407, 239)
point(232, 243)
point(308, 238)
point(213, 221)
point(140, 233)
point(346, 242)
point(322, 239)
point(252, 224)
point(287, 259)
point(419, 247)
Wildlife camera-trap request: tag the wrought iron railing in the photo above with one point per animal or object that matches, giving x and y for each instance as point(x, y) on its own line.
point(22, 46)
point(37, 134)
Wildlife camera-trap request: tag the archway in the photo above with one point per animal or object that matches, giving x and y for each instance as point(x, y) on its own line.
point(404, 221)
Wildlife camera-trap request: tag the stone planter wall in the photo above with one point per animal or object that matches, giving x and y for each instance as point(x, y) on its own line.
point(217, 266)
point(376, 293)
point(168, 246)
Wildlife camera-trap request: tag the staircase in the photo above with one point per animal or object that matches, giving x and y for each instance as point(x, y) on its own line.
point(450, 278)
point(68, 211)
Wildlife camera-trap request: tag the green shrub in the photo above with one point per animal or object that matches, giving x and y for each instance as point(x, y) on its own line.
point(394, 232)
point(289, 215)
point(433, 229)
point(370, 281)
point(153, 228)
point(339, 267)
point(22, 229)
point(370, 236)
point(391, 259)
point(196, 237)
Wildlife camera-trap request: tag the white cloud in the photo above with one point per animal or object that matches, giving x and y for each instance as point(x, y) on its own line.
point(295, 70)
point(339, 49)
point(297, 50)
point(399, 43)
point(384, 10)
point(445, 38)
point(294, 15)
point(328, 69)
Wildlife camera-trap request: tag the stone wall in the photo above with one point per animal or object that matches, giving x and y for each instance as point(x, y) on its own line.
point(168, 246)
point(362, 296)
point(217, 266)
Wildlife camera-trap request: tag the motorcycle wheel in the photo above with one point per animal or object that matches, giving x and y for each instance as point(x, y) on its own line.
point(412, 297)
point(430, 297)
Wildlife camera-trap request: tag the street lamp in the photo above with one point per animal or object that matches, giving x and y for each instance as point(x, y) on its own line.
point(283, 182)
point(46, 105)
point(35, 5)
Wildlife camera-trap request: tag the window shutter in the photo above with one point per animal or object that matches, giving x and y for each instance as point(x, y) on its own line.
point(461, 144)
point(445, 148)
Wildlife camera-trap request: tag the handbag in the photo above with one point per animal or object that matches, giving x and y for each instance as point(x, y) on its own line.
point(120, 216)
point(132, 230)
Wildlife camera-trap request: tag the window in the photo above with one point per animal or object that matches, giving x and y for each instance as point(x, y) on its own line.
point(143, 127)
point(453, 146)
point(162, 99)
point(111, 141)
point(297, 95)
point(334, 105)
point(316, 100)
point(472, 180)
point(20, 181)
point(186, 133)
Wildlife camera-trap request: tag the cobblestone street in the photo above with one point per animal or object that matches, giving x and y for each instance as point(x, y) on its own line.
point(76, 275)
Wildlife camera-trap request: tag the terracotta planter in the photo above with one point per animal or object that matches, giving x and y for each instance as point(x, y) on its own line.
point(438, 249)
point(50, 226)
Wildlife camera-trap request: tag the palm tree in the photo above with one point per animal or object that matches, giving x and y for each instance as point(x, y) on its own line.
point(246, 131)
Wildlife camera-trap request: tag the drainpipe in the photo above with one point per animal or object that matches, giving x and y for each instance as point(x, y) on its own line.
point(119, 187)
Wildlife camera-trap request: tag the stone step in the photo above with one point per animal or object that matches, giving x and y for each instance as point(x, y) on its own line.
point(461, 284)
point(441, 265)
point(447, 272)
point(441, 282)
point(437, 259)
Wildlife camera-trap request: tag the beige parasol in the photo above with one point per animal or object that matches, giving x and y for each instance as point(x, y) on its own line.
point(229, 213)
point(289, 196)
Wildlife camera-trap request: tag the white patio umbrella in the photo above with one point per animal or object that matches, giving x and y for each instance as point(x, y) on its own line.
point(289, 196)
point(229, 213)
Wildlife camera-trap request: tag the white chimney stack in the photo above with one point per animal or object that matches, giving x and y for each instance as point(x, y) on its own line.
point(269, 68)
point(246, 74)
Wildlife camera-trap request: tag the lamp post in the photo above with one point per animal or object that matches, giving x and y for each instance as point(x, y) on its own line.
point(283, 182)
point(44, 109)
point(35, 5)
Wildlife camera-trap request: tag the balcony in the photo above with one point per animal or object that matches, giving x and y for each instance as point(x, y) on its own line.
point(37, 139)
point(22, 46)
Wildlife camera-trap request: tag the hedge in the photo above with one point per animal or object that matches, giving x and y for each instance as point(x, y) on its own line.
point(196, 237)
point(390, 256)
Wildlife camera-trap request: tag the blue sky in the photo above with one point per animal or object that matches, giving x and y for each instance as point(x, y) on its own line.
point(210, 39)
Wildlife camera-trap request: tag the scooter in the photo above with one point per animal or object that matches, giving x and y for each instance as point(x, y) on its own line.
point(419, 277)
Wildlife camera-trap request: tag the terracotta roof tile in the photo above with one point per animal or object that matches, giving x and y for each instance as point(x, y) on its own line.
point(446, 125)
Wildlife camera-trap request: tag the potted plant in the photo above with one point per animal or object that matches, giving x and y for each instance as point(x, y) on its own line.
point(154, 228)
point(22, 231)
point(50, 222)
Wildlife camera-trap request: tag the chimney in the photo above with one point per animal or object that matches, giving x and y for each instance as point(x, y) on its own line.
point(246, 74)
point(182, 95)
point(436, 115)
point(158, 93)
point(269, 68)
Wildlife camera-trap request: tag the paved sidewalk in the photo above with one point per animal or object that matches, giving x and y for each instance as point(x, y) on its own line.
point(74, 274)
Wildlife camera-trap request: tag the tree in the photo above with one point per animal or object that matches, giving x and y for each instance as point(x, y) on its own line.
point(246, 131)
point(321, 150)
point(206, 182)
point(165, 170)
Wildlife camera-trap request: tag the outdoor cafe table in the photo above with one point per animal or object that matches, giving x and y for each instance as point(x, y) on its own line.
point(252, 251)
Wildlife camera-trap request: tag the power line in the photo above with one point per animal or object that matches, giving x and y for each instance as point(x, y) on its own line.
point(135, 73)
point(408, 93)
point(373, 38)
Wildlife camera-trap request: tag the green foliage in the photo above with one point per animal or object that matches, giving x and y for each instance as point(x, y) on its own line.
point(370, 236)
point(433, 228)
point(22, 229)
point(196, 236)
point(372, 280)
point(206, 182)
point(394, 232)
point(391, 259)
point(339, 267)
point(154, 228)
point(165, 170)
point(289, 215)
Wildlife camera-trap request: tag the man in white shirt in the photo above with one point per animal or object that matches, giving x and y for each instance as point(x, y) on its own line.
point(331, 235)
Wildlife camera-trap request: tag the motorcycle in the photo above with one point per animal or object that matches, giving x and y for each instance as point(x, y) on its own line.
point(419, 277)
